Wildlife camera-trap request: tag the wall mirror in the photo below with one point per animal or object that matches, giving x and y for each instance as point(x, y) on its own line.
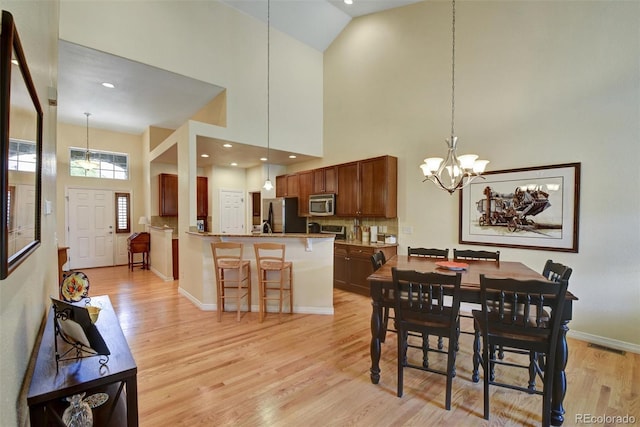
point(21, 160)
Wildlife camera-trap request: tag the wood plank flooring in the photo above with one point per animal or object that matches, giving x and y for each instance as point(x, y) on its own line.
point(313, 370)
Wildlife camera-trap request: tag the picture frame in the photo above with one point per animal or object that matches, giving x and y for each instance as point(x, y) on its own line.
point(529, 208)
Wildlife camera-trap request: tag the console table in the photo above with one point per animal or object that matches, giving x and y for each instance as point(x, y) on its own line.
point(139, 243)
point(118, 379)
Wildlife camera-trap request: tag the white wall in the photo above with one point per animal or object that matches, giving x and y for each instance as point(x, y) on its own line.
point(537, 83)
point(24, 295)
point(212, 42)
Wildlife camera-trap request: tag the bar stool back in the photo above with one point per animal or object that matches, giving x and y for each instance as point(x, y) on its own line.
point(227, 258)
point(270, 258)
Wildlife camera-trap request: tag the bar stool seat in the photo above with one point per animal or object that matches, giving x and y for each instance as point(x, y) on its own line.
point(270, 258)
point(227, 258)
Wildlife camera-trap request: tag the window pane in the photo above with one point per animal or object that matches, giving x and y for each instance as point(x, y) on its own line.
point(108, 165)
point(123, 217)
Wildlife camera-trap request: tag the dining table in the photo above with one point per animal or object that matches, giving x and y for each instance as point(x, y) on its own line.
point(381, 283)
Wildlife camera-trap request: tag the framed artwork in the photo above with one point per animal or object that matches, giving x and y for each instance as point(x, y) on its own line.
point(530, 208)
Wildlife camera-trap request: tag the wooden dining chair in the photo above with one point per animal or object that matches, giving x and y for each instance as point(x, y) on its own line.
point(233, 276)
point(428, 253)
point(501, 323)
point(377, 260)
point(466, 254)
point(426, 303)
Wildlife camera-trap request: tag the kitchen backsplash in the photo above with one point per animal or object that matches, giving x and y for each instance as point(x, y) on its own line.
point(391, 224)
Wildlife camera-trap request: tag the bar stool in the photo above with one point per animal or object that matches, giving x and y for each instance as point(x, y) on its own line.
point(270, 257)
point(227, 257)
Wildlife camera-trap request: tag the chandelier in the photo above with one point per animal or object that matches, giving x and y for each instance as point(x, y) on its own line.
point(86, 163)
point(267, 184)
point(455, 171)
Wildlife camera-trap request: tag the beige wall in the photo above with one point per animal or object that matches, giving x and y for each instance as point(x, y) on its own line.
point(537, 83)
point(99, 139)
point(24, 294)
point(228, 49)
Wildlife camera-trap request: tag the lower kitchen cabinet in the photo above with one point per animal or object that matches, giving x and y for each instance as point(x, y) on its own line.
point(352, 265)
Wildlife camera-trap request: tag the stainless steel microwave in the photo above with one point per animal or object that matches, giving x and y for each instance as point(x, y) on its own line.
point(322, 204)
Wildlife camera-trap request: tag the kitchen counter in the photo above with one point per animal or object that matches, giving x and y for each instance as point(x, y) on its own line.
point(311, 255)
point(269, 235)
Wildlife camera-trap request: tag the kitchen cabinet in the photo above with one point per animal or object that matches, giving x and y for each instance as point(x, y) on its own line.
point(168, 194)
point(168, 187)
point(202, 196)
point(352, 265)
point(368, 188)
point(324, 180)
point(305, 188)
point(287, 185)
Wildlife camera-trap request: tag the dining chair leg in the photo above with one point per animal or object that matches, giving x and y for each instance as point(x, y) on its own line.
point(532, 370)
point(485, 367)
point(451, 368)
point(475, 376)
point(291, 289)
point(425, 350)
point(220, 294)
point(402, 354)
point(249, 287)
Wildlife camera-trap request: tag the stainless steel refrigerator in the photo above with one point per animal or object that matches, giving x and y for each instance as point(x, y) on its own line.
point(282, 215)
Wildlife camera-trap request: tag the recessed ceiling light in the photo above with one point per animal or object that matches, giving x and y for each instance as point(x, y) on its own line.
point(108, 85)
point(234, 164)
point(227, 145)
point(204, 155)
point(264, 159)
point(14, 61)
point(292, 156)
point(348, 1)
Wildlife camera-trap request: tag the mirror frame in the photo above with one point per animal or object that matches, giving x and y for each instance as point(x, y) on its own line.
point(10, 42)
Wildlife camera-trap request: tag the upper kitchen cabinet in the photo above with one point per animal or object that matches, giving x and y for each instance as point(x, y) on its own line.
point(368, 188)
point(305, 188)
point(168, 194)
point(202, 195)
point(287, 185)
point(324, 180)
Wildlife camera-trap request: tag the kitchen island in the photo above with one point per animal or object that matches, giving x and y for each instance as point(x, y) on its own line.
point(311, 255)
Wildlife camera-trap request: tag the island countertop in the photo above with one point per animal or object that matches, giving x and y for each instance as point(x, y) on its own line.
point(271, 235)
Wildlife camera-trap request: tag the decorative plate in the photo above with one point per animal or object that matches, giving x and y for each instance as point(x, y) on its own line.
point(450, 265)
point(75, 287)
point(96, 399)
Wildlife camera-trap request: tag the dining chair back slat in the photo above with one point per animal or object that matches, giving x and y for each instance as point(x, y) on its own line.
point(428, 252)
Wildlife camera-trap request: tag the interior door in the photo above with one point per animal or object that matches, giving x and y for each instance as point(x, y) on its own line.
point(91, 218)
point(232, 212)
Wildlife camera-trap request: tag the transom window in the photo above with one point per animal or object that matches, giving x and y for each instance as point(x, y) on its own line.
point(107, 164)
point(22, 155)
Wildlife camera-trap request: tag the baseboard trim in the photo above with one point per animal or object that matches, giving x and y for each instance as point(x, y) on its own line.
point(162, 276)
point(254, 308)
point(604, 341)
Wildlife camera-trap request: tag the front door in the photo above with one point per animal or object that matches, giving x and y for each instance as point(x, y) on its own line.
point(90, 227)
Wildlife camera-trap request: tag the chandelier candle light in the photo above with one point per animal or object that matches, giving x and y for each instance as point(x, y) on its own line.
point(460, 170)
point(267, 184)
point(86, 163)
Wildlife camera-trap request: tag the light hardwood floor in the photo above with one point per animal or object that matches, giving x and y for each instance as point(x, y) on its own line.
point(313, 370)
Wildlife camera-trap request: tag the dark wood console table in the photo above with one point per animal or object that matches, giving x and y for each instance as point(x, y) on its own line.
point(118, 378)
point(139, 243)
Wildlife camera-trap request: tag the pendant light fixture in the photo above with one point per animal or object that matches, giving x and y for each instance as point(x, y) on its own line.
point(460, 170)
point(267, 184)
point(86, 163)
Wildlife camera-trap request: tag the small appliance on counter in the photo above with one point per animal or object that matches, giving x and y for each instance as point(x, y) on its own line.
point(313, 227)
point(339, 231)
